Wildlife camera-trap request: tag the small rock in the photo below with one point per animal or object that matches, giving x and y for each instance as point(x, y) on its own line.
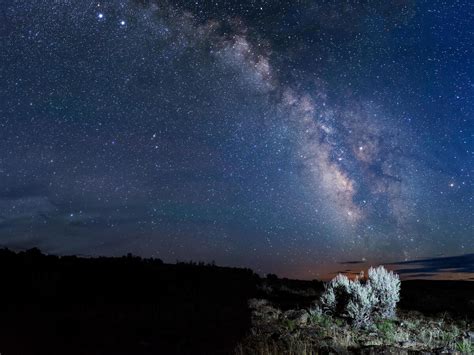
point(257, 303)
point(301, 317)
point(407, 344)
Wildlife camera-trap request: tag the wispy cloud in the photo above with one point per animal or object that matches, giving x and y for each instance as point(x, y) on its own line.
point(459, 267)
point(351, 262)
point(432, 266)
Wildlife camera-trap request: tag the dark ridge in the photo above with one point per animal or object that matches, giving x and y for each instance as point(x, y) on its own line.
point(125, 305)
point(437, 296)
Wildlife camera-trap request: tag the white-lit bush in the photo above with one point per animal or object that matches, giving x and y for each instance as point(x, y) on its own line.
point(361, 303)
point(335, 298)
point(385, 287)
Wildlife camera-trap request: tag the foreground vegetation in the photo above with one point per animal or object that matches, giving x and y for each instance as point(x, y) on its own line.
point(355, 316)
point(128, 305)
point(311, 332)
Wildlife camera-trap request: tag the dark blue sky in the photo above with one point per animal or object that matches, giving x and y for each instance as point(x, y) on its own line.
point(281, 136)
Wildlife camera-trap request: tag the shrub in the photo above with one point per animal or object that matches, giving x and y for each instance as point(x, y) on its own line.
point(362, 303)
point(385, 286)
point(289, 324)
point(387, 330)
point(336, 295)
point(350, 299)
point(317, 317)
point(315, 314)
point(465, 347)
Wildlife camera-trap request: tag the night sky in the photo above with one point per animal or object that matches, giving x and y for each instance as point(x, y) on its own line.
point(285, 136)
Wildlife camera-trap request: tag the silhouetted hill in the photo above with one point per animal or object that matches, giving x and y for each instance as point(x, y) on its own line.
point(126, 305)
point(436, 296)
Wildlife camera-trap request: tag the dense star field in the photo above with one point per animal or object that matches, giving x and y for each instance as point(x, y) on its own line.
point(285, 136)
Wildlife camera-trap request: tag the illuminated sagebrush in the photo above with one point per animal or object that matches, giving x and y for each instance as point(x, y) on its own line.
point(362, 303)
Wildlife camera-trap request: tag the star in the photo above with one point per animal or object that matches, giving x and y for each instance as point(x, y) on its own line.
point(230, 122)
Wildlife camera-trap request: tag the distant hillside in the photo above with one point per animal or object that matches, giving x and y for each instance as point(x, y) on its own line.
point(125, 305)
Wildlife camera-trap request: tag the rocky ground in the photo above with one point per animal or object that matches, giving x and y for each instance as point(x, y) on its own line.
point(278, 329)
point(306, 331)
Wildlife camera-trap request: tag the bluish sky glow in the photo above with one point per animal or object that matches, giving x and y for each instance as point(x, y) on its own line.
point(285, 136)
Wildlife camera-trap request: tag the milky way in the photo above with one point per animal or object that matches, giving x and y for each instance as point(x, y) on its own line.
point(281, 136)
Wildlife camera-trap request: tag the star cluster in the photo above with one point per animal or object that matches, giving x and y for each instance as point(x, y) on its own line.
point(283, 136)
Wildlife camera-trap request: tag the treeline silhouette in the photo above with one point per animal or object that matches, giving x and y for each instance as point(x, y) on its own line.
point(120, 305)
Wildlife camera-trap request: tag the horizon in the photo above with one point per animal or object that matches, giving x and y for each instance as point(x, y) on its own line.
point(443, 271)
point(286, 137)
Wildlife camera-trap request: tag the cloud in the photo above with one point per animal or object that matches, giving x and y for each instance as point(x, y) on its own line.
point(19, 191)
point(459, 264)
point(25, 207)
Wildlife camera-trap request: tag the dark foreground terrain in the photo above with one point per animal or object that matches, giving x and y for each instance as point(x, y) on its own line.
point(70, 305)
point(128, 305)
point(432, 317)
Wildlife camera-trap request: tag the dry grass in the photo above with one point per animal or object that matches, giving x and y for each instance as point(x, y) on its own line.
point(274, 333)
